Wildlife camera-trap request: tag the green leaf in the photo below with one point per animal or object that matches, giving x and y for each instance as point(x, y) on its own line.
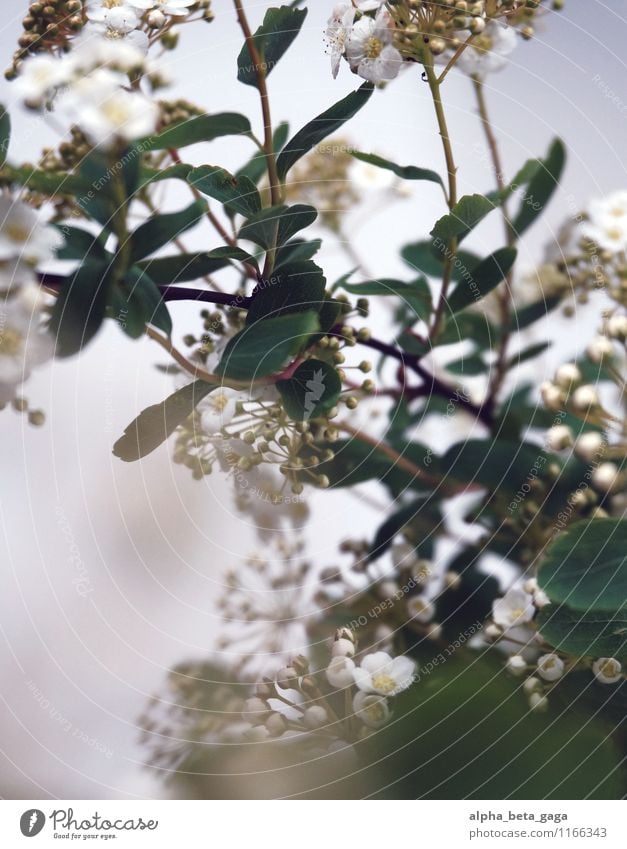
point(5, 134)
point(200, 128)
point(257, 166)
point(464, 216)
point(529, 170)
point(417, 294)
point(482, 279)
point(296, 250)
point(159, 421)
point(280, 221)
point(329, 313)
point(540, 188)
point(586, 566)
point(181, 268)
point(405, 172)
point(321, 127)
point(140, 303)
point(426, 257)
point(80, 307)
point(264, 347)
point(313, 389)
point(239, 192)
point(528, 315)
point(279, 29)
point(79, 244)
point(46, 182)
point(393, 525)
point(595, 634)
point(162, 229)
point(500, 465)
point(470, 366)
point(179, 171)
point(529, 353)
point(297, 287)
point(100, 201)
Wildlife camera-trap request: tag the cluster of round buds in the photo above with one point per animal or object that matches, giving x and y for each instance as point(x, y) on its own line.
point(48, 25)
point(568, 390)
point(177, 112)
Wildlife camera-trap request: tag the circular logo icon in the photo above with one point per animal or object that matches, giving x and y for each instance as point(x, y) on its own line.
point(32, 822)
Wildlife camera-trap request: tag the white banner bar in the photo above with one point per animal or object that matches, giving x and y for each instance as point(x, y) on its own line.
point(308, 825)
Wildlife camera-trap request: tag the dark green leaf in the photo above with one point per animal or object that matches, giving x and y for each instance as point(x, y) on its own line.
point(181, 268)
point(313, 389)
point(598, 633)
point(157, 422)
point(586, 566)
point(297, 287)
point(239, 192)
point(393, 525)
point(264, 347)
point(297, 249)
point(142, 304)
point(201, 128)
point(500, 465)
point(469, 366)
point(533, 312)
point(277, 222)
point(79, 244)
point(80, 307)
point(405, 172)
point(162, 229)
point(329, 313)
point(321, 127)
point(522, 178)
point(279, 29)
point(541, 188)
point(529, 353)
point(464, 216)
point(179, 171)
point(5, 134)
point(483, 279)
point(417, 294)
point(426, 257)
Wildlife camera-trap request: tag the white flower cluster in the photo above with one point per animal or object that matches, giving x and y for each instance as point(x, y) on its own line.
point(511, 616)
point(24, 242)
point(366, 44)
point(91, 84)
point(296, 707)
point(606, 223)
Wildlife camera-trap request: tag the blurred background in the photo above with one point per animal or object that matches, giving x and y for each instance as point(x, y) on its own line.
point(110, 569)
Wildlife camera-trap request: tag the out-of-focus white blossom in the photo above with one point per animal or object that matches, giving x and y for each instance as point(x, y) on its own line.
point(23, 236)
point(515, 608)
point(607, 222)
point(488, 51)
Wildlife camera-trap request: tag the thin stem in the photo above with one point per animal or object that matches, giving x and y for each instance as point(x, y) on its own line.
point(451, 170)
point(505, 292)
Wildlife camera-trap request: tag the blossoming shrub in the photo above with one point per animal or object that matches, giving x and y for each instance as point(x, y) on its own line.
point(407, 669)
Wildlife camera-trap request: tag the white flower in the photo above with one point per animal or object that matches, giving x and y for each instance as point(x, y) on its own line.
point(368, 5)
point(97, 10)
point(488, 52)
point(516, 664)
point(606, 477)
point(370, 51)
point(559, 437)
point(382, 674)
point(15, 276)
point(607, 222)
point(340, 672)
point(607, 670)
point(617, 327)
point(538, 703)
point(40, 76)
point(22, 234)
point(106, 112)
point(218, 409)
point(589, 445)
point(600, 349)
point(338, 30)
point(550, 667)
point(515, 608)
point(315, 717)
point(23, 344)
point(373, 710)
point(420, 609)
point(91, 52)
point(342, 648)
point(168, 7)
point(585, 397)
point(119, 24)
